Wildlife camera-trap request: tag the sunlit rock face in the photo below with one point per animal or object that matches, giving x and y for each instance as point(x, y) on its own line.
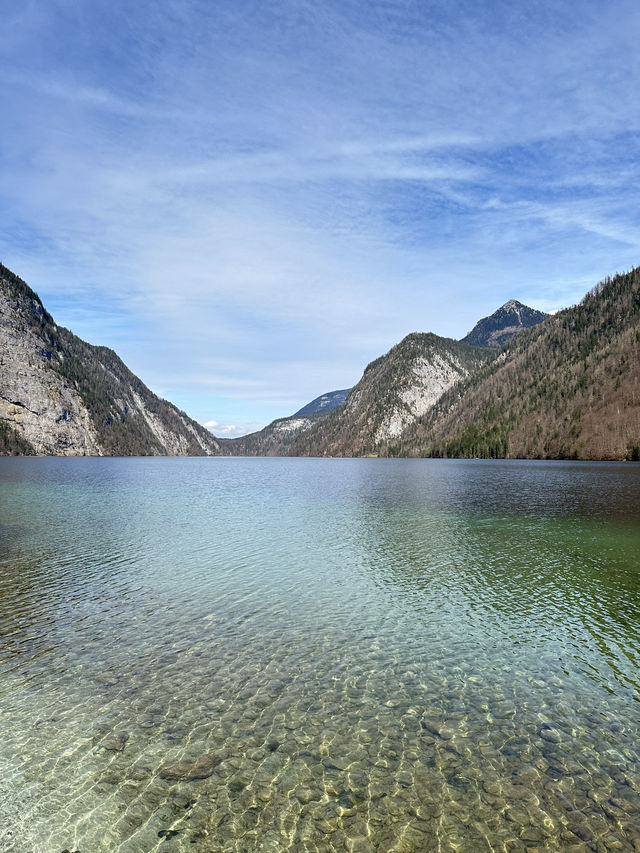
point(60, 396)
point(35, 400)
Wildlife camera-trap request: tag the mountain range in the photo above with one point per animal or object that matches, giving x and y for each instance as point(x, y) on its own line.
point(520, 384)
point(395, 391)
point(538, 386)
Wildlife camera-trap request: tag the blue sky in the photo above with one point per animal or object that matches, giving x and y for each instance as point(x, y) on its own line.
point(249, 201)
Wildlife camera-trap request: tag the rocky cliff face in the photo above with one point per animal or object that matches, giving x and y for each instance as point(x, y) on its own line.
point(35, 401)
point(395, 390)
point(61, 396)
point(427, 375)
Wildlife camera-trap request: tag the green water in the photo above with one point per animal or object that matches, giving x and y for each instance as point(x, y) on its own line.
point(319, 655)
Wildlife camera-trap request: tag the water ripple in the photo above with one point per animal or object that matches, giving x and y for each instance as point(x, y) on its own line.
point(318, 655)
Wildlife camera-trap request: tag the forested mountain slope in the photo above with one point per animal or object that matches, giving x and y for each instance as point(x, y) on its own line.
point(567, 388)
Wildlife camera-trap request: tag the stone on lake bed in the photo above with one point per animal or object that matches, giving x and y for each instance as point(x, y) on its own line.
point(445, 733)
point(188, 771)
point(517, 816)
point(532, 833)
point(550, 734)
point(335, 764)
point(306, 795)
point(114, 742)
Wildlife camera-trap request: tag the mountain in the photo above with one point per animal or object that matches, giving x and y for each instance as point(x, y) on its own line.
point(566, 388)
point(501, 326)
point(394, 391)
point(64, 397)
point(276, 437)
point(325, 403)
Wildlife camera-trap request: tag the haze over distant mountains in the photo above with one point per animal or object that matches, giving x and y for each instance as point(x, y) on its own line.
point(520, 384)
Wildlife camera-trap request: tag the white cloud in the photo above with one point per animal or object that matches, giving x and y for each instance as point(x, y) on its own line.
point(233, 430)
point(277, 197)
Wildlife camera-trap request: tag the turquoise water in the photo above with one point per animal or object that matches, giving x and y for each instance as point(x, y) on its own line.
point(319, 655)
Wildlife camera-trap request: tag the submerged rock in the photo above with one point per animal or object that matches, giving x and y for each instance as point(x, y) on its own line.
point(187, 771)
point(167, 833)
point(550, 733)
point(114, 742)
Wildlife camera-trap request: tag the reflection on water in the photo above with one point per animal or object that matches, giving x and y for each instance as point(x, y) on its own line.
point(319, 655)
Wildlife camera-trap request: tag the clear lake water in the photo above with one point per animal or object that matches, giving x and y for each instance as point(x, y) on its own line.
point(319, 655)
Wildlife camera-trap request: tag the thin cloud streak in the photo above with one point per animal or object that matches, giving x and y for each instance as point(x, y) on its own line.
point(265, 199)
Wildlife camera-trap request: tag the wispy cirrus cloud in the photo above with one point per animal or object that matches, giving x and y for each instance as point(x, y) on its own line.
point(251, 201)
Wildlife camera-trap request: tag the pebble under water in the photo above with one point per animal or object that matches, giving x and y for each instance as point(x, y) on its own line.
point(319, 655)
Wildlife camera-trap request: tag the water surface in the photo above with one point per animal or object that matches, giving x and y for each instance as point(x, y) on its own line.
point(319, 655)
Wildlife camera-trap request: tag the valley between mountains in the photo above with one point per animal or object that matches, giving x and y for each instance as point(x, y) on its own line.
point(521, 384)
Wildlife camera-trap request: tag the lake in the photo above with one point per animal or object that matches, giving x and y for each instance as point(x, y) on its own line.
point(319, 655)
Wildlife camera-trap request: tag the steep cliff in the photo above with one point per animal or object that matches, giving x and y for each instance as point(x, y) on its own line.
point(64, 397)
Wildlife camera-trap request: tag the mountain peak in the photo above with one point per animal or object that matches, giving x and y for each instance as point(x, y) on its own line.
point(512, 305)
point(499, 327)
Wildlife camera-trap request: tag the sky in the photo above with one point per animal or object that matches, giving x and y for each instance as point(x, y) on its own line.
point(249, 201)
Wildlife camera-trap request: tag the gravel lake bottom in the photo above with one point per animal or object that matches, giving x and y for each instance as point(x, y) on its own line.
point(319, 655)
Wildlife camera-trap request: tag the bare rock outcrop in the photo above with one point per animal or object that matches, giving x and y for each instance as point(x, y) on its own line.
point(61, 396)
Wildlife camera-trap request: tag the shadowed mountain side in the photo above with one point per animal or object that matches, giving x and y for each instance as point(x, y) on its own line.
point(61, 396)
point(502, 325)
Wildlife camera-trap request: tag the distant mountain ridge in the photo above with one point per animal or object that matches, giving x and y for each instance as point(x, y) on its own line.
point(62, 396)
point(324, 403)
point(502, 325)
